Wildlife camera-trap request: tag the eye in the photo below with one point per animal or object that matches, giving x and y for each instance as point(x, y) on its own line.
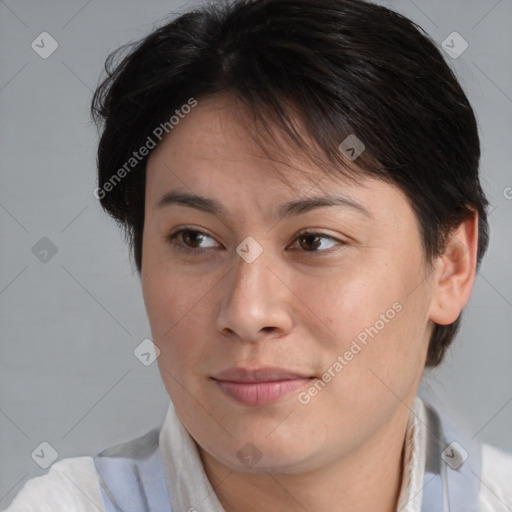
point(188, 240)
point(312, 240)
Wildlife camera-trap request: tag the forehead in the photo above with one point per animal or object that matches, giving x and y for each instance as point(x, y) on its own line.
point(210, 153)
point(219, 139)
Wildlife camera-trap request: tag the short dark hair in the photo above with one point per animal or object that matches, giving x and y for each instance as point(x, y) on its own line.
point(341, 67)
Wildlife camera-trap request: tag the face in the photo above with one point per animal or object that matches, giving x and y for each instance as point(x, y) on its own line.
point(330, 302)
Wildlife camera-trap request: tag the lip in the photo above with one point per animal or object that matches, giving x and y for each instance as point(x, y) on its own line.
point(260, 386)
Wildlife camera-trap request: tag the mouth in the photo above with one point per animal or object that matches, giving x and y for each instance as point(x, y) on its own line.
point(261, 386)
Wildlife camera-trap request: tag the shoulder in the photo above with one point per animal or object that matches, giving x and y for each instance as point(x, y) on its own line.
point(70, 485)
point(496, 480)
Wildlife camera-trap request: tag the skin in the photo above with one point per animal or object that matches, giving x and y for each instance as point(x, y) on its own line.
point(298, 305)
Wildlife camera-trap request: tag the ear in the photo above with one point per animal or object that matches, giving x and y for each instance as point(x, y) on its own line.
point(455, 273)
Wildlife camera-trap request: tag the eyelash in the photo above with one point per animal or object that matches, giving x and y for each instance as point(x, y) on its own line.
point(197, 251)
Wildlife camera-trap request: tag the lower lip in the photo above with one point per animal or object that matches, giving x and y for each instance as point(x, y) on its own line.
point(260, 393)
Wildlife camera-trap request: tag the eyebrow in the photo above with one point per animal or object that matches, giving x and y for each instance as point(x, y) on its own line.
point(289, 209)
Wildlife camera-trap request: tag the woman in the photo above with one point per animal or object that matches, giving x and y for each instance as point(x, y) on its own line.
point(299, 183)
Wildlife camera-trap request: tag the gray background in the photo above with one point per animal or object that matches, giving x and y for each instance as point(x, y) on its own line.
point(68, 375)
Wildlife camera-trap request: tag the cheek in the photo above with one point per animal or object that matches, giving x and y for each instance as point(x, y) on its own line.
point(172, 307)
point(172, 310)
point(341, 304)
point(169, 300)
point(170, 293)
point(178, 304)
point(367, 315)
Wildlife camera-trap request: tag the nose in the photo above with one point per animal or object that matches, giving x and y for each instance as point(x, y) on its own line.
point(256, 301)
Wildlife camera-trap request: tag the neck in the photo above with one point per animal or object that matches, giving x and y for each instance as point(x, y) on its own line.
point(369, 478)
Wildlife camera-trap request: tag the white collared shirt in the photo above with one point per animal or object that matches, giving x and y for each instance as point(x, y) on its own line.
point(72, 485)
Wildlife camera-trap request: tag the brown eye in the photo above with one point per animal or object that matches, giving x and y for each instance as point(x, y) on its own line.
point(310, 241)
point(191, 238)
point(187, 239)
point(313, 242)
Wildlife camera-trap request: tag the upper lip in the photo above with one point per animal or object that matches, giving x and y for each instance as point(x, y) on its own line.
point(266, 374)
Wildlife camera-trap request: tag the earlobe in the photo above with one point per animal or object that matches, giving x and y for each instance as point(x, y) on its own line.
point(455, 273)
